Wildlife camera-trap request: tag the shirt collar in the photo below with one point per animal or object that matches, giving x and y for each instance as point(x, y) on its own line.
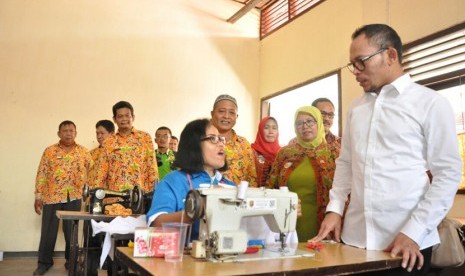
point(400, 84)
point(133, 130)
point(215, 179)
point(168, 152)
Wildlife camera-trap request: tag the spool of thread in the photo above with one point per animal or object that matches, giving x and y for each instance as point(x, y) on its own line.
point(284, 189)
point(242, 190)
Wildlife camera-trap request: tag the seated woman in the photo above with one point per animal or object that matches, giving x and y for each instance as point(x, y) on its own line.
point(199, 160)
point(265, 148)
point(307, 168)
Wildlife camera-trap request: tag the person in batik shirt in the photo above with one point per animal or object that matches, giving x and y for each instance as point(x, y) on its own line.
point(103, 129)
point(307, 168)
point(127, 158)
point(239, 153)
point(60, 179)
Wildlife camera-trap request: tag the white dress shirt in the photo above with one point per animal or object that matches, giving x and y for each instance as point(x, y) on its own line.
point(389, 143)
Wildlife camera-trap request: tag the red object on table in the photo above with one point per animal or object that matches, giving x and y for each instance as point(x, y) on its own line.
point(251, 250)
point(317, 246)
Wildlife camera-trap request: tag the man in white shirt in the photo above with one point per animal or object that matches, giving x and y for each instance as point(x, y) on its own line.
point(394, 133)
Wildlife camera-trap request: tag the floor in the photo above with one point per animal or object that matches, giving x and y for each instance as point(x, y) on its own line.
point(22, 266)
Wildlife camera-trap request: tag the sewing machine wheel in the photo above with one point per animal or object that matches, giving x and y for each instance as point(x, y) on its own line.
point(193, 206)
point(136, 200)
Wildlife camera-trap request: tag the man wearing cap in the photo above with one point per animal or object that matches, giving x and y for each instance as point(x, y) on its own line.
point(239, 154)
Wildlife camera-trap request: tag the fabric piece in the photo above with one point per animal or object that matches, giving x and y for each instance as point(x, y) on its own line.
point(120, 225)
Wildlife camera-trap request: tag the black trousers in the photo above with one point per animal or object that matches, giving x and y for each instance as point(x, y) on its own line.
point(49, 231)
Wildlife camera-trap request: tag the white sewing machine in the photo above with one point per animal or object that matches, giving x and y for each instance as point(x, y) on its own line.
point(220, 213)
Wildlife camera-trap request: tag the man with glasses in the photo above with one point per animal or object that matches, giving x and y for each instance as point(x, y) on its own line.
point(326, 108)
point(394, 133)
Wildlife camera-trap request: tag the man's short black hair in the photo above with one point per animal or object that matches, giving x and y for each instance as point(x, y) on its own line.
point(382, 35)
point(106, 124)
point(189, 157)
point(174, 138)
point(65, 123)
point(163, 128)
point(322, 100)
point(122, 104)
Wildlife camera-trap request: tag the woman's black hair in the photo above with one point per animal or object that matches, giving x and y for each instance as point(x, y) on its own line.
point(189, 156)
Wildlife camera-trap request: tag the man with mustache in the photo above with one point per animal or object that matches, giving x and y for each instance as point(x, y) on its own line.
point(239, 154)
point(61, 175)
point(394, 132)
point(326, 108)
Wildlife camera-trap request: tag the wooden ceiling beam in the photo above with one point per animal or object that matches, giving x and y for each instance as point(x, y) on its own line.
point(240, 13)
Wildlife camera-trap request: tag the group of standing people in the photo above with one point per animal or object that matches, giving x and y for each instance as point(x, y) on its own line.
point(394, 133)
point(124, 159)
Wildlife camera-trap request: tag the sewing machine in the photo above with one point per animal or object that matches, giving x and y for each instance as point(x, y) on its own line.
point(131, 198)
point(220, 213)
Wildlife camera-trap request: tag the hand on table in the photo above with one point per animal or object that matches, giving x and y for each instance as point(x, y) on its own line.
point(408, 249)
point(330, 228)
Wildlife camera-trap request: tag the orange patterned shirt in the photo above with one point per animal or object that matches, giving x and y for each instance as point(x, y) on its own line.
point(240, 159)
point(95, 153)
point(125, 161)
point(62, 174)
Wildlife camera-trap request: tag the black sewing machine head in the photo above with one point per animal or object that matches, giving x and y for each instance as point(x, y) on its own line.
point(131, 198)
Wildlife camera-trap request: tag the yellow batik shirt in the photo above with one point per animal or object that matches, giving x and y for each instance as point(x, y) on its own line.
point(125, 161)
point(240, 159)
point(62, 175)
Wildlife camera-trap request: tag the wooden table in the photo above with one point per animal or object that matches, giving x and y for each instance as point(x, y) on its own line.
point(334, 259)
point(75, 217)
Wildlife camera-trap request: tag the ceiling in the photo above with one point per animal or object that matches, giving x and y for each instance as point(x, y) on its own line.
point(261, 4)
point(248, 5)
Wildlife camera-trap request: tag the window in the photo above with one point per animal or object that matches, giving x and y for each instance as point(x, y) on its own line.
point(282, 106)
point(280, 12)
point(438, 62)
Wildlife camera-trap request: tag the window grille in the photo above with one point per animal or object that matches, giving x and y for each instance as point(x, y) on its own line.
point(281, 12)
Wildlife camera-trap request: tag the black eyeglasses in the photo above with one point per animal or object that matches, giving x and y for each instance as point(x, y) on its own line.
point(214, 139)
point(308, 122)
point(359, 63)
point(329, 115)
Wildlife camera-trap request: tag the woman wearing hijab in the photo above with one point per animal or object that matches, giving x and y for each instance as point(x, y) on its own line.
point(265, 148)
point(307, 168)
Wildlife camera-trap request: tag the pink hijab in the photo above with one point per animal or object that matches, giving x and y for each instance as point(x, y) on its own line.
point(268, 150)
